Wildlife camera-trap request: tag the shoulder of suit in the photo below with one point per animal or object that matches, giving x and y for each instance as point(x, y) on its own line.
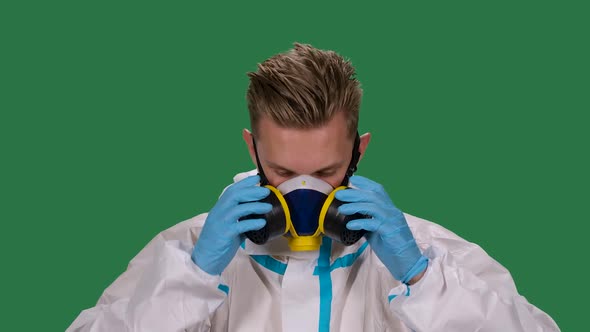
point(185, 231)
point(428, 233)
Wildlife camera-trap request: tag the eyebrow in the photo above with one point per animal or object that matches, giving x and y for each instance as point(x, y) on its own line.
point(324, 169)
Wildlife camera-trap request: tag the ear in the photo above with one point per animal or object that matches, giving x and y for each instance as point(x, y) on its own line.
point(249, 139)
point(365, 139)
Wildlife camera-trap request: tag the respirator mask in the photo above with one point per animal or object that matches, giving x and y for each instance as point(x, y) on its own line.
point(304, 209)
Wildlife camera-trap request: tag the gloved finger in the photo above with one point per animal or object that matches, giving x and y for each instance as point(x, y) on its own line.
point(251, 180)
point(360, 195)
point(371, 225)
point(370, 209)
point(245, 209)
point(362, 182)
point(356, 195)
point(246, 226)
point(247, 194)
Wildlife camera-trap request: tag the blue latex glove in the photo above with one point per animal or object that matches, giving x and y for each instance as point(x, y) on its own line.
point(222, 233)
point(388, 233)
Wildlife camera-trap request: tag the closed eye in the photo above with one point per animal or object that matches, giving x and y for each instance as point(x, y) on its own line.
point(284, 173)
point(325, 174)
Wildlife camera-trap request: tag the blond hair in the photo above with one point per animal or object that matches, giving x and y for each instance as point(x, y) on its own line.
point(303, 88)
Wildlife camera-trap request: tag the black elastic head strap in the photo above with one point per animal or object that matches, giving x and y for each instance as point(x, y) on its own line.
point(263, 179)
point(354, 160)
point(352, 167)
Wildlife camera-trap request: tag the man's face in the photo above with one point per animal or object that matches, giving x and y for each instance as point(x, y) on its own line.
point(284, 153)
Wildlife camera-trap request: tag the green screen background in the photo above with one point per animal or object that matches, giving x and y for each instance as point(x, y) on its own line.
point(119, 120)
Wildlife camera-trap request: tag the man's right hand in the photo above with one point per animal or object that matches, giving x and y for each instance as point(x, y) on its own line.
point(222, 233)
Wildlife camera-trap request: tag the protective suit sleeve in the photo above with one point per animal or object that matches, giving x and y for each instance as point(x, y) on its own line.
point(463, 289)
point(162, 290)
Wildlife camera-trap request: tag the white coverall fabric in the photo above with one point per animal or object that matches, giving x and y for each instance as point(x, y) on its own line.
point(270, 288)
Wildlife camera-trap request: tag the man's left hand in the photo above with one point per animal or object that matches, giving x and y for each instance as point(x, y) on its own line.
point(388, 233)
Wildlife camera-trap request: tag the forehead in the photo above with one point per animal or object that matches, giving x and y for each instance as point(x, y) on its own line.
point(304, 150)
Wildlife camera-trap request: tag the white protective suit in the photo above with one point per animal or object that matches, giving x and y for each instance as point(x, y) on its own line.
point(338, 288)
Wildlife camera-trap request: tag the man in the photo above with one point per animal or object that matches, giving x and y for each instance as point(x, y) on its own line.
point(374, 269)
